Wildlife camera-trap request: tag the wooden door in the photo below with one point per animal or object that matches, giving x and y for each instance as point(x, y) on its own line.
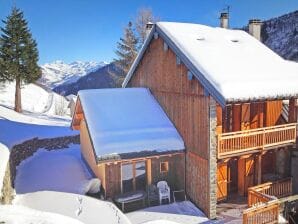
point(222, 181)
point(246, 174)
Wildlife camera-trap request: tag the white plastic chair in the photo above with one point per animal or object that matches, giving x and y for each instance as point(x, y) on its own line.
point(164, 191)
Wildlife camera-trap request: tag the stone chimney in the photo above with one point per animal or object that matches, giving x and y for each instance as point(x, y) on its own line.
point(254, 28)
point(149, 26)
point(224, 20)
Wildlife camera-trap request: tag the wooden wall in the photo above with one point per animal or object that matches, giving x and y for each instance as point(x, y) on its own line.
point(175, 176)
point(186, 105)
point(252, 115)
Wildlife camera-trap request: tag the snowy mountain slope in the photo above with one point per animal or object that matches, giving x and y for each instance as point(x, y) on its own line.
point(58, 72)
point(281, 35)
point(105, 77)
point(34, 99)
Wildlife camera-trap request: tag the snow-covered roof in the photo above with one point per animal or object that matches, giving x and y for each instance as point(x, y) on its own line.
point(127, 122)
point(231, 64)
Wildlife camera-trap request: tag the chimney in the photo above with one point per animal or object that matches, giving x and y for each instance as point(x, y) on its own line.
point(224, 20)
point(254, 28)
point(149, 26)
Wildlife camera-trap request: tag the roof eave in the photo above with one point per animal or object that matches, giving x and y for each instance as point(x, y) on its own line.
point(206, 84)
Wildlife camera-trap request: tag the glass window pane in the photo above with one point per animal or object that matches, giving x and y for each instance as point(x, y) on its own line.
point(141, 176)
point(127, 178)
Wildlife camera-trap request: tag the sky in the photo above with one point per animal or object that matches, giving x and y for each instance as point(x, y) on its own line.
point(87, 30)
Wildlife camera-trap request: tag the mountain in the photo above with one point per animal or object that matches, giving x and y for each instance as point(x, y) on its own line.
point(281, 35)
point(107, 76)
point(58, 72)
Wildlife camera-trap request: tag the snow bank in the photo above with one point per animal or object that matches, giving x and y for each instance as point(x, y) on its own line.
point(238, 65)
point(17, 214)
point(4, 158)
point(59, 170)
point(83, 208)
point(17, 128)
point(127, 120)
point(180, 212)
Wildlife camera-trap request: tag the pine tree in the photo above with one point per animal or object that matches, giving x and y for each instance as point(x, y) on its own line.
point(18, 54)
point(127, 49)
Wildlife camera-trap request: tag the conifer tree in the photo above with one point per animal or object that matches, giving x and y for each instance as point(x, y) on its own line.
point(18, 54)
point(126, 49)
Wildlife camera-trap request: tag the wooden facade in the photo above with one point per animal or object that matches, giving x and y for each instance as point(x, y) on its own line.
point(187, 105)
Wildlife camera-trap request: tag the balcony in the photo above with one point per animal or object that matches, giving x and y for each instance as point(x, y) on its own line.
point(243, 142)
point(264, 201)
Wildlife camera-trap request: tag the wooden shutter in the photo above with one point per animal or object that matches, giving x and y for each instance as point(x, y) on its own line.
point(222, 181)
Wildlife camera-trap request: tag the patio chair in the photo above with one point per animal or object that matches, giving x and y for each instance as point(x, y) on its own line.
point(152, 194)
point(164, 191)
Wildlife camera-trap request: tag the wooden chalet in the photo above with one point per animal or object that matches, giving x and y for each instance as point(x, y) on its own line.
point(123, 144)
point(226, 93)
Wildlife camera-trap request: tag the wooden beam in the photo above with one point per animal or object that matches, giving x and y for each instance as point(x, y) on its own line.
point(149, 170)
point(292, 110)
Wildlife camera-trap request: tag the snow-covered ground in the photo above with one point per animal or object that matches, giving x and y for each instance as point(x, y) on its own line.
point(180, 212)
point(34, 99)
point(4, 157)
point(58, 72)
point(84, 208)
point(17, 214)
point(58, 170)
point(17, 128)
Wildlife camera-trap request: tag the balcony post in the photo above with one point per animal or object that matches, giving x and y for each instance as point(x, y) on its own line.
point(292, 110)
point(259, 167)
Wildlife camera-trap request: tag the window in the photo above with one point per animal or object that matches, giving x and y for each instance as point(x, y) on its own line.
point(133, 176)
point(164, 167)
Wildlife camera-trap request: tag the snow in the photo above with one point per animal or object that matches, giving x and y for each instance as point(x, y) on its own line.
point(58, 72)
point(179, 212)
point(4, 157)
point(239, 66)
point(92, 211)
point(21, 127)
point(34, 99)
point(17, 214)
point(127, 120)
point(58, 170)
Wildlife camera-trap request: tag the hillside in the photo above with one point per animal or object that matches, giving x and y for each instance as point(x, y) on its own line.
point(104, 77)
point(58, 72)
point(281, 35)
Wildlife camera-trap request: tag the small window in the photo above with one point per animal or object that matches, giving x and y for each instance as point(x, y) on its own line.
point(164, 167)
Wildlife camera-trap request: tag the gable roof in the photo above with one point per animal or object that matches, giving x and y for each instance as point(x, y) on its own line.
point(230, 64)
point(125, 123)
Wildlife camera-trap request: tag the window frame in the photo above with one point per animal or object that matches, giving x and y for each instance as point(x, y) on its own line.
point(133, 163)
point(166, 166)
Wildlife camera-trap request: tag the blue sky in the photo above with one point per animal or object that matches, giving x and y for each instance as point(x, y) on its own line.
point(86, 30)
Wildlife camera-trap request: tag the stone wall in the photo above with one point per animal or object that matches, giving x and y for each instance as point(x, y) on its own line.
point(294, 168)
point(7, 190)
point(26, 149)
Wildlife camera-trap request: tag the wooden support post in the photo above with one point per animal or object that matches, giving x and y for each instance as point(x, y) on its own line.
point(219, 120)
point(259, 167)
point(149, 176)
point(292, 110)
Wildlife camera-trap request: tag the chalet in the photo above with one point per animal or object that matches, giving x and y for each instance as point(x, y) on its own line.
point(225, 93)
point(127, 140)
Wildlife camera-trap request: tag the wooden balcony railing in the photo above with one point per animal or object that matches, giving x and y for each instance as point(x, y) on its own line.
point(263, 201)
point(263, 213)
point(255, 139)
point(267, 191)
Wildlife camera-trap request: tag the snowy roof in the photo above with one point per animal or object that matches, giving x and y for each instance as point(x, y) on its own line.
point(231, 64)
point(127, 123)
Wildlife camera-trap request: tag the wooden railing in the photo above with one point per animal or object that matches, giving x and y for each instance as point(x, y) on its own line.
point(255, 139)
point(263, 213)
point(263, 201)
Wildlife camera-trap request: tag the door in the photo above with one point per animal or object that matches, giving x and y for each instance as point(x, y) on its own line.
point(222, 181)
point(246, 174)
